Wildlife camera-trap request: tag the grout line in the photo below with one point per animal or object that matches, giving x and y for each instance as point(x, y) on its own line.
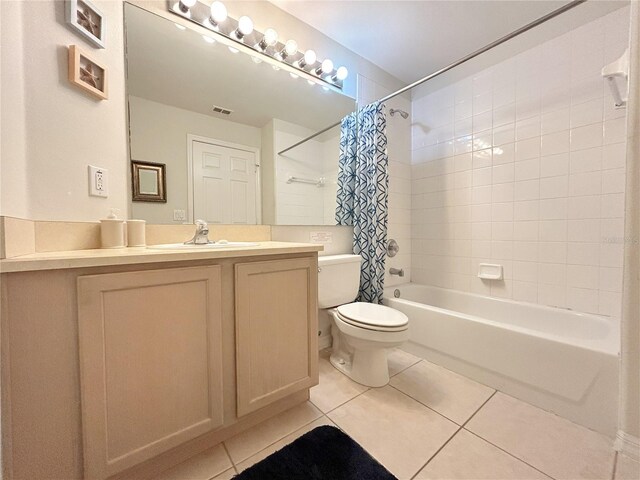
point(276, 441)
point(479, 408)
point(226, 450)
point(461, 427)
point(345, 402)
point(508, 453)
point(436, 452)
point(407, 368)
point(424, 405)
point(615, 465)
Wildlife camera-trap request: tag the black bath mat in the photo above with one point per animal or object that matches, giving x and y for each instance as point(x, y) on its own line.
point(324, 453)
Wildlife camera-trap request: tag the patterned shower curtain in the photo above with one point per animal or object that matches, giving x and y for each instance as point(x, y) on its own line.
point(363, 185)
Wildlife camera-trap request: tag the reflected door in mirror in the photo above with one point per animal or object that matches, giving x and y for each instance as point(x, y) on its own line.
point(224, 184)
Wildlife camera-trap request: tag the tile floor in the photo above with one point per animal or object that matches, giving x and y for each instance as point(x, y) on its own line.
point(436, 425)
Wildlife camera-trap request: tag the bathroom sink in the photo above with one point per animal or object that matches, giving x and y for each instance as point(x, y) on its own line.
point(207, 246)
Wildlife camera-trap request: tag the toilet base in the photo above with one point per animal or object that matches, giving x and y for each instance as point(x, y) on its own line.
point(367, 367)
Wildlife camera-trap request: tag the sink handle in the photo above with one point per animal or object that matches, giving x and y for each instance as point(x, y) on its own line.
point(201, 236)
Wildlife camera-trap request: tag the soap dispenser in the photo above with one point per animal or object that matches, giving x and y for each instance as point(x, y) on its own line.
point(112, 234)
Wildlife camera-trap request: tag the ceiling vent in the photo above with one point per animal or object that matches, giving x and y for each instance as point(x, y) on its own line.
point(222, 110)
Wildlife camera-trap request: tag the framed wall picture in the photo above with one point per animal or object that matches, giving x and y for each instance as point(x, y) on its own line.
point(148, 182)
point(87, 20)
point(87, 73)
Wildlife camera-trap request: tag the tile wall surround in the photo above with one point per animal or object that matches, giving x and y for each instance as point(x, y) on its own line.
point(523, 164)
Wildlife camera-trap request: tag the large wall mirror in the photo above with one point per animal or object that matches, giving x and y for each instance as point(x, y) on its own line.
point(217, 119)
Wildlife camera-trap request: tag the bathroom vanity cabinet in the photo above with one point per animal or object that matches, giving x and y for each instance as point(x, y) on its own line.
point(124, 371)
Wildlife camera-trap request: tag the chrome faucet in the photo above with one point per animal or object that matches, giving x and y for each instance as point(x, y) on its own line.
point(396, 271)
point(201, 236)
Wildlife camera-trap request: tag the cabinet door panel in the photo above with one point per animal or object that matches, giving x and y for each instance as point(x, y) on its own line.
point(276, 330)
point(151, 363)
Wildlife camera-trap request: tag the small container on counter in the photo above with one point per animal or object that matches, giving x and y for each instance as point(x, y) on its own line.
point(136, 233)
point(112, 231)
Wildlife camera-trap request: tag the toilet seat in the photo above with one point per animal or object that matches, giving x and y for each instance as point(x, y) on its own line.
point(373, 317)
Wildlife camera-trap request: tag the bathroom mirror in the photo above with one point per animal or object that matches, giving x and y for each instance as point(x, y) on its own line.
point(218, 119)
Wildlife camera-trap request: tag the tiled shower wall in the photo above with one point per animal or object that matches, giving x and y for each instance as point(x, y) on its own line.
point(522, 165)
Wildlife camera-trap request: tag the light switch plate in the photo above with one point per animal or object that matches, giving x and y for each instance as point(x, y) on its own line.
point(179, 215)
point(98, 182)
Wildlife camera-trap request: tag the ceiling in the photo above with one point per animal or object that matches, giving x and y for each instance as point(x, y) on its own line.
point(411, 39)
point(178, 67)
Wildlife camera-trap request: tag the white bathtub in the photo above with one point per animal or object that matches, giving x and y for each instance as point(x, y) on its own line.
point(563, 361)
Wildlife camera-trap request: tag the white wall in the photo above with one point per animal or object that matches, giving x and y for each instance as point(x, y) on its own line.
point(58, 128)
point(522, 164)
point(55, 130)
point(159, 134)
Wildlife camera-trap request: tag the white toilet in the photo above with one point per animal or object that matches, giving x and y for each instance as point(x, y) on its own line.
point(362, 332)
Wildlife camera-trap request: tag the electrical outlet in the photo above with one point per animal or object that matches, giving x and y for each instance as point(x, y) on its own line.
point(179, 215)
point(98, 182)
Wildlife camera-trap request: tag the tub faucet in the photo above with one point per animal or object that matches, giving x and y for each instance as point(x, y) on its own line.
point(201, 236)
point(396, 271)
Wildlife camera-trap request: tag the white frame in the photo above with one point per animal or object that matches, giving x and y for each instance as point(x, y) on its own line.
point(72, 20)
point(212, 141)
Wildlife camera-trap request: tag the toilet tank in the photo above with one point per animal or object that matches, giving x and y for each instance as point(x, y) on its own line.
point(338, 279)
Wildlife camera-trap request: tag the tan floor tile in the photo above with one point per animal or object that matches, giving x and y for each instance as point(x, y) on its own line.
point(454, 396)
point(550, 443)
point(226, 475)
point(467, 457)
point(398, 431)
point(248, 443)
point(203, 466)
point(281, 443)
point(400, 360)
point(334, 388)
point(627, 468)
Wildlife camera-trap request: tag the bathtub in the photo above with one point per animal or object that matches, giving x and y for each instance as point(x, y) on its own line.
point(559, 360)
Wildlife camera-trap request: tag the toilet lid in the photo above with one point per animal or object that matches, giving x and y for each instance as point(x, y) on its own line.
point(372, 315)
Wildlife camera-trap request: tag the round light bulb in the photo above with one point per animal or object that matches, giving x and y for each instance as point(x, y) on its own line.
point(188, 3)
point(310, 57)
point(327, 66)
point(270, 36)
point(218, 12)
point(291, 47)
point(245, 25)
point(342, 73)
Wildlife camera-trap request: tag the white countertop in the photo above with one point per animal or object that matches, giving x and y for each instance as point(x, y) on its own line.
point(133, 255)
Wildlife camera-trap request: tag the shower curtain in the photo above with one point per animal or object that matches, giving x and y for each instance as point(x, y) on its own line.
point(363, 186)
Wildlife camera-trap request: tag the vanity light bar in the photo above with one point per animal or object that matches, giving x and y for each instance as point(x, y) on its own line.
point(260, 44)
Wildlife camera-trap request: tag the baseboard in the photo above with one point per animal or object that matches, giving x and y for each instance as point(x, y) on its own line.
point(324, 342)
point(627, 445)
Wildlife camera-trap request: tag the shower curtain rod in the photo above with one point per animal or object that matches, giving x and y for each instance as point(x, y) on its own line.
point(493, 44)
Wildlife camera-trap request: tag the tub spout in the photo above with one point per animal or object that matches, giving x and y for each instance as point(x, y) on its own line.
point(396, 271)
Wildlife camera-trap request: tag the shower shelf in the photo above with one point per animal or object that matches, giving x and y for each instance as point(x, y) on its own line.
point(617, 75)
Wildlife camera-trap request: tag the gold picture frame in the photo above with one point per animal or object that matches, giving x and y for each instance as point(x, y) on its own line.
point(148, 182)
point(87, 74)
